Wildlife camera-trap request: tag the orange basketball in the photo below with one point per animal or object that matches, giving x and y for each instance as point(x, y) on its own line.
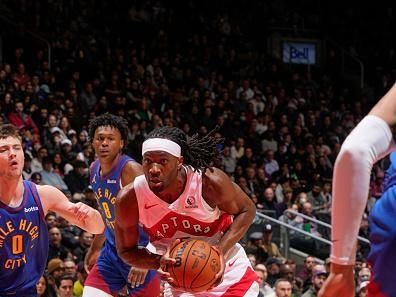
point(197, 264)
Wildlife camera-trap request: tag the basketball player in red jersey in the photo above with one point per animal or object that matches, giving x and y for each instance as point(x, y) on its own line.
point(181, 196)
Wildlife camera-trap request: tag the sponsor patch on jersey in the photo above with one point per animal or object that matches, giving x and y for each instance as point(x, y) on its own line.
point(111, 181)
point(191, 203)
point(32, 208)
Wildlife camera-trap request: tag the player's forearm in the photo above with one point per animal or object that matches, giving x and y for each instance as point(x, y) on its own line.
point(370, 141)
point(140, 257)
point(93, 223)
point(237, 229)
point(97, 243)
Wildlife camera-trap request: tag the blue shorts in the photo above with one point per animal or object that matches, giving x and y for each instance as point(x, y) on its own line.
point(110, 274)
point(382, 256)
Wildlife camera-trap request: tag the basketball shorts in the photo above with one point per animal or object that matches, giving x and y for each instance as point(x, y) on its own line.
point(110, 274)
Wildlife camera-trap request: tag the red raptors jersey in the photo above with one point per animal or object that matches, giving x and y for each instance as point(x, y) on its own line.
point(188, 216)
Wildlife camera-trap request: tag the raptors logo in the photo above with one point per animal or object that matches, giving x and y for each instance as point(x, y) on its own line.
point(191, 203)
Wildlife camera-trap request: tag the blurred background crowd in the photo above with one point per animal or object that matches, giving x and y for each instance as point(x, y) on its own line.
point(195, 65)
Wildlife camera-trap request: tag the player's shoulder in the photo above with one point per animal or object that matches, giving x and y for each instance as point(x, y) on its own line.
point(133, 165)
point(127, 191)
point(131, 170)
point(214, 178)
point(214, 174)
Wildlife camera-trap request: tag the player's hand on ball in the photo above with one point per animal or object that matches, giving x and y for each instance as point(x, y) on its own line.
point(219, 276)
point(137, 276)
point(166, 261)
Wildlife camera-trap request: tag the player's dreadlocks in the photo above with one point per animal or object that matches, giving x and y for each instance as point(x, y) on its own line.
point(110, 120)
point(198, 152)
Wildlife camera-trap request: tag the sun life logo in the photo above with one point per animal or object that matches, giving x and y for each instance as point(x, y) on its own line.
point(191, 203)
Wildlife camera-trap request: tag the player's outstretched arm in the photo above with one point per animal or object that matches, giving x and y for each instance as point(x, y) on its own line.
point(78, 214)
point(370, 141)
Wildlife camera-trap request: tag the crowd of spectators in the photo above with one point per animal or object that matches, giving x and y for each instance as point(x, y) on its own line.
point(283, 125)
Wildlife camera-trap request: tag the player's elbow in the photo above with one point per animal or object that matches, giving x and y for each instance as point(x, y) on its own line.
point(98, 225)
point(354, 154)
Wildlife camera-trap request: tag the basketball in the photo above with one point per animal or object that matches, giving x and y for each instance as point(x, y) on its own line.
point(197, 264)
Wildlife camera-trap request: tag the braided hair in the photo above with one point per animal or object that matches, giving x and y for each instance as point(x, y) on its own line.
point(110, 120)
point(198, 152)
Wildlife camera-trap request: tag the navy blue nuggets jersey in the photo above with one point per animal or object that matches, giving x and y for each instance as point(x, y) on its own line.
point(23, 244)
point(106, 189)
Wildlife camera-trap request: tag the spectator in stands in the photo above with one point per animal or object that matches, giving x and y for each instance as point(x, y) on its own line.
point(283, 288)
point(69, 233)
point(51, 220)
point(269, 202)
point(269, 143)
point(287, 272)
point(248, 159)
point(77, 179)
point(252, 259)
point(306, 272)
point(69, 267)
point(268, 246)
point(270, 164)
point(273, 267)
point(65, 286)
point(49, 177)
point(262, 274)
point(85, 241)
point(42, 288)
point(309, 225)
point(22, 120)
point(227, 161)
point(56, 249)
point(55, 271)
point(319, 276)
point(37, 162)
point(81, 277)
point(67, 153)
point(238, 149)
point(253, 246)
point(317, 200)
point(287, 202)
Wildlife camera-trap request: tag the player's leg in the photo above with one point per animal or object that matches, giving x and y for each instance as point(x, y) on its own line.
point(105, 276)
point(95, 285)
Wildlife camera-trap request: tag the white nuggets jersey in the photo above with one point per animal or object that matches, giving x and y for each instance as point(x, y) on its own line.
point(191, 217)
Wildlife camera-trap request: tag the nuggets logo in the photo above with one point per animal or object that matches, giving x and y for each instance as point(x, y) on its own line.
point(191, 203)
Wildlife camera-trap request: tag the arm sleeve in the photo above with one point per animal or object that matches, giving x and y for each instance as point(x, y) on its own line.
point(370, 141)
